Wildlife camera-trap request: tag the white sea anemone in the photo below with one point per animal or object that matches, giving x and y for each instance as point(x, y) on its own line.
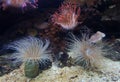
point(30, 48)
point(85, 53)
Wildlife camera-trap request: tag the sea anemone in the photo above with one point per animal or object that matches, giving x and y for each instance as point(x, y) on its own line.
point(33, 52)
point(30, 48)
point(67, 16)
point(85, 53)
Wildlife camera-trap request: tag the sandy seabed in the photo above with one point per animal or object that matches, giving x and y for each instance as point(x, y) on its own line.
point(110, 72)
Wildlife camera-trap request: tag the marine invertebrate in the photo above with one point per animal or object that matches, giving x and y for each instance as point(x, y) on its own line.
point(97, 37)
point(84, 52)
point(67, 16)
point(31, 51)
point(18, 3)
point(30, 48)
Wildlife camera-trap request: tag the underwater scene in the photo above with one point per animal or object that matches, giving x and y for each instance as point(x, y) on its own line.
point(59, 40)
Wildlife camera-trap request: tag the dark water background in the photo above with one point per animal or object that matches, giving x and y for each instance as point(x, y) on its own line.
point(8, 19)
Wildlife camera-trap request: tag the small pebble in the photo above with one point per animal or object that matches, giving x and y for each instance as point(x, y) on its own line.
point(114, 78)
point(105, 79)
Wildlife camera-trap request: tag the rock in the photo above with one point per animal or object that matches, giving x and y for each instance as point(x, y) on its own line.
point(31, 32)
point(113, 50)
point(115, 78)
point(43, 25)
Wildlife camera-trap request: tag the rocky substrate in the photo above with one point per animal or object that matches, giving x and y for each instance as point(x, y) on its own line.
point(108, 72)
